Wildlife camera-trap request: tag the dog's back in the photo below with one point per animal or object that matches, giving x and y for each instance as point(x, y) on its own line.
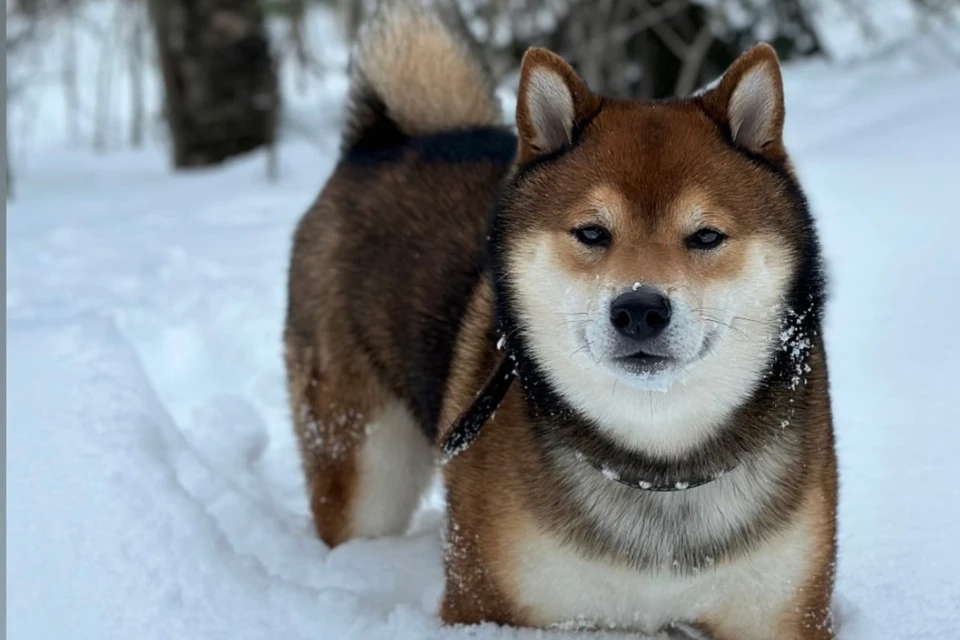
point(384, 263)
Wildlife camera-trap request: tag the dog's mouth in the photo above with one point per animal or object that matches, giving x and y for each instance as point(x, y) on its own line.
point(643, 362)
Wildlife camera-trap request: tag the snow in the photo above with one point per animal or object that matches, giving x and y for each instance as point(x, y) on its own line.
point(154, 488)
point(609, 473)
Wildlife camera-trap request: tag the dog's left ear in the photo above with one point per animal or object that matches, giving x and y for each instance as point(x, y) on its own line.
point(748, 102)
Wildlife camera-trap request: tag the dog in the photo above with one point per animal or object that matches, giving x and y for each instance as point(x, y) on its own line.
point(607, 324)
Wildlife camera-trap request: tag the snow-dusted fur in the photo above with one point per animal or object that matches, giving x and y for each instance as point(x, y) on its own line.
point(365, 438)
point(675, 411)
point(642, 479)
point(401, 279)
point(395, 465)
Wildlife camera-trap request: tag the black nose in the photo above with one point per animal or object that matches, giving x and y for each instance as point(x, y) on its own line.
point(640, 314)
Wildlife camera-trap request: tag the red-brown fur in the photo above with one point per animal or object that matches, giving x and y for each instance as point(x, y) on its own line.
point(348, 296)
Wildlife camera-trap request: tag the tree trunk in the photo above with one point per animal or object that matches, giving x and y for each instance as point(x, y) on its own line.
point(70, 85)
point(137, 66)
point(219, 78)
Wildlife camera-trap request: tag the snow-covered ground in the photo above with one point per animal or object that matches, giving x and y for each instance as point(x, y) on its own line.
point(153, 484)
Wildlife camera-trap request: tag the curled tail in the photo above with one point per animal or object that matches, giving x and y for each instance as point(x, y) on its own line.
point(415, 71)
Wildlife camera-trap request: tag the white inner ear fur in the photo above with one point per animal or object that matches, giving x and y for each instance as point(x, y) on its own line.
point(549, 106)
point(753, 108)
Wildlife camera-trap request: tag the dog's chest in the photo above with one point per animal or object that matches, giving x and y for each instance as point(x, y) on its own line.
point(555, 584)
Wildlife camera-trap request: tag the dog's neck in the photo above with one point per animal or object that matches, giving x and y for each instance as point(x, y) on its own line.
point(631, 469)
point(558, 426)
point(652, 483)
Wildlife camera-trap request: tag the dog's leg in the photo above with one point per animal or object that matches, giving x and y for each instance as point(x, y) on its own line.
point(365, 458)
point(395, 463)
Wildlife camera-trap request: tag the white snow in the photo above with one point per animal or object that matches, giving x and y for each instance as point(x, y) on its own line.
point(610, 474)
point(154, 488)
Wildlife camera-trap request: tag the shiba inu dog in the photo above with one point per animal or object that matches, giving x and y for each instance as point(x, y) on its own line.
point(626, 296)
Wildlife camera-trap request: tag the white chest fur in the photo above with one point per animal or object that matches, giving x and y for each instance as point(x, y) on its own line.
point(554, 584)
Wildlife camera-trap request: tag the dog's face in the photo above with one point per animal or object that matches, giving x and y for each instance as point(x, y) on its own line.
point(647, 248)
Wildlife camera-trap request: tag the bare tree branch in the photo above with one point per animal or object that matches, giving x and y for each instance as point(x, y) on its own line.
point(621, 33)
point(693, 60)
point(662, 29)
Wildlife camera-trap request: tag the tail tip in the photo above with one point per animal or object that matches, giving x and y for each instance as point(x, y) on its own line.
point(419, 68)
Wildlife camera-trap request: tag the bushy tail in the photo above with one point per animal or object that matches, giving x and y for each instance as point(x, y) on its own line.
point(416, 70)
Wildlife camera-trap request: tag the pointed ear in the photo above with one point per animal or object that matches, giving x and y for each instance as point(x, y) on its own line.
point(748, 101)
point(551, 102)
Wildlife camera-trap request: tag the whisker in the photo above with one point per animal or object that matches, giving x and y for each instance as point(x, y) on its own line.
point(768, 324)
point(578, 350)
point(744, 318)
point(709, 318)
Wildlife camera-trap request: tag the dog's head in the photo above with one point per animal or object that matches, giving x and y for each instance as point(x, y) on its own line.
point(645, 252)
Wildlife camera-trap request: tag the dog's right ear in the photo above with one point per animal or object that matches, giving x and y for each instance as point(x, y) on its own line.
point(551, 103)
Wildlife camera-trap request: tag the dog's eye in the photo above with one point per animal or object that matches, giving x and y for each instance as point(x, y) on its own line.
point(706, 239)
point(593, 235)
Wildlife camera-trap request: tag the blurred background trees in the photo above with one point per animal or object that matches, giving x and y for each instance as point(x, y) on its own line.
point(649, 48)
point(219, 79)
point(204, 75)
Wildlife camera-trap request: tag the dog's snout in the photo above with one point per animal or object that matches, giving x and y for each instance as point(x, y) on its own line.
point(640, 314)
